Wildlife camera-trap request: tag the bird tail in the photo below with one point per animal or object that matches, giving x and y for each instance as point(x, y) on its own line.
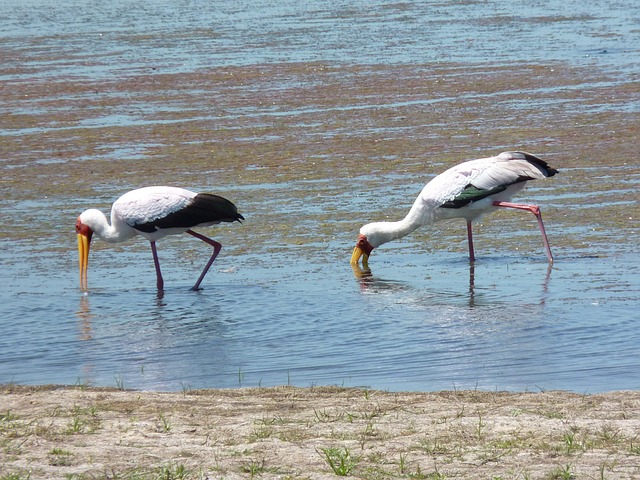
point(538, 162)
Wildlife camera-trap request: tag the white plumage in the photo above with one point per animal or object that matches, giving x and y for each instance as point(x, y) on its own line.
point(147, 204)
point(154, 212)
point(467, 190)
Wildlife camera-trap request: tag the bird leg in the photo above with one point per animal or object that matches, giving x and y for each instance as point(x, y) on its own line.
point(535, 209)
point(160, 281)
point(472, 256)
point(216, 250)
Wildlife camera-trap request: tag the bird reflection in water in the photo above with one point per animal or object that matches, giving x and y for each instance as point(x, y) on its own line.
point(371, 284)
point(85, 316)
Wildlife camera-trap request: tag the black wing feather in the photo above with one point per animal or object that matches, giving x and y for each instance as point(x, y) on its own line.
point(203, 208)
point(538, 162)
point(471, 194)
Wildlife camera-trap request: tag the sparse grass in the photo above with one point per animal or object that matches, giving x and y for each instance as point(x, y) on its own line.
point(368, 434)
point(186, 388)
point(173, 472)
point(82, 384)
point(262, 432)
point(402, 463)
point(571, 442)
point(480, 427)
point(119, 382)
point(562, 472)
point(548, 414)
point(339, 459)
point(608, 434)
point(509, 443)
point(258, 467)
point(325, 416)
point(606, 466)
point(434, 446)
point(82, 420)
point(164, 424)
point(59, 457)
point(7, 417)
point(16, 476)
point(419, 475)
point(76, 425)
point(378, 437)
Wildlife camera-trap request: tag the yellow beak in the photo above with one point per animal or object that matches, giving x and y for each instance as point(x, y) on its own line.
point(355, 257)
point(83, 259)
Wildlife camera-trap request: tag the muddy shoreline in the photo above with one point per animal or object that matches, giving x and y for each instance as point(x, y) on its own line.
point(56, 432)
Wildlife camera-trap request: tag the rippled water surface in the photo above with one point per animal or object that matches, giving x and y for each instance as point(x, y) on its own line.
point(315, 119)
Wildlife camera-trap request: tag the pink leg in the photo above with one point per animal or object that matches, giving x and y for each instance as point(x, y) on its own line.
point(472, 256)
point(160, 281)
point(535, 209)
point(216, 250)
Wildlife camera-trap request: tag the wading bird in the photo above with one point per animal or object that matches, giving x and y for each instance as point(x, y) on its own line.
point(154, 212)
point(467, 190)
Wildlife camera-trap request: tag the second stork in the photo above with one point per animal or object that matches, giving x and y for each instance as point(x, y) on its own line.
point(467, 190)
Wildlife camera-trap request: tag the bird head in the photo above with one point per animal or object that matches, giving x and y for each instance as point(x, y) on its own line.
point(84, 242)
point(362, 249)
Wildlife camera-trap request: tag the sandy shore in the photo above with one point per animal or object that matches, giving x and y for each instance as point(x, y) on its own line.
point(53, 432)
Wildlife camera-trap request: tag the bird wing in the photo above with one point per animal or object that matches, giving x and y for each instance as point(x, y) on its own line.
point(477, 179)
point(144, 207)
point(203, 209)
point(151, 208)
point(509, 168)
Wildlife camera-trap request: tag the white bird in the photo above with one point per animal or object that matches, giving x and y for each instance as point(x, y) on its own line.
point(467, 190)
point(154, 212)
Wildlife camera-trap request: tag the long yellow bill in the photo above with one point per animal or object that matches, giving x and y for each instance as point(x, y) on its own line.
point(355, 257)
point(83, 259)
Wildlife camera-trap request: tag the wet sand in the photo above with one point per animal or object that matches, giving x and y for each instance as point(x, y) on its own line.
point(53, 432)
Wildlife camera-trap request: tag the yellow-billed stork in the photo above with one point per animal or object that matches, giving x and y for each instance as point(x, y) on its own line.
point(154, 212)
point(467, 190)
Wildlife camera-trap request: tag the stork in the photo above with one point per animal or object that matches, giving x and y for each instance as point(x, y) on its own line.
point(467, 190)
point(154, 213)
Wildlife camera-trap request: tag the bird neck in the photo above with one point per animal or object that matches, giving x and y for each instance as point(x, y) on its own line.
point(383, 232)
point(97, 221)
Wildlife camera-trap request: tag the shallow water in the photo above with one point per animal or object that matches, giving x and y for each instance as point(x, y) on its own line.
point(315, 119)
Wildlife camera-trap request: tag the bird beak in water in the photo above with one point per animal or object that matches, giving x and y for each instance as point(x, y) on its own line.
point(363, 249)
point(355, 257)
point(84, 243)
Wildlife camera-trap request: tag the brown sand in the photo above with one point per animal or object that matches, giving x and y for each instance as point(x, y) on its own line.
point(285, 432)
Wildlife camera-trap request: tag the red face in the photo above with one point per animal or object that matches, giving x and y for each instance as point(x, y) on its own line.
point(363, 244)
point(84, 242)
point(82, 229)
point(362, 250)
